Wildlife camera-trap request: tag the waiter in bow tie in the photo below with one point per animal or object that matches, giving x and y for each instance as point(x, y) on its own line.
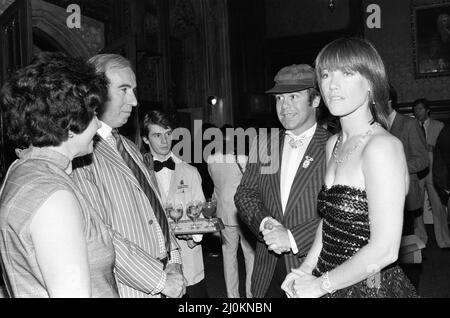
point(178, 183)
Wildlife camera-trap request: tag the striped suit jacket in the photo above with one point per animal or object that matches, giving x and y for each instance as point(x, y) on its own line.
point(115, 193)
point(258, 196)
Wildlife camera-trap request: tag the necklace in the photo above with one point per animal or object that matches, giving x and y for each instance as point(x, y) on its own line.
point(345, 157)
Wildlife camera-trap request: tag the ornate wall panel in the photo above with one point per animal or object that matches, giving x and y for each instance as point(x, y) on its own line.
point(394, 42)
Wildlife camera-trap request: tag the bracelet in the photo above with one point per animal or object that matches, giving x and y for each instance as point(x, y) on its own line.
point(326, 284)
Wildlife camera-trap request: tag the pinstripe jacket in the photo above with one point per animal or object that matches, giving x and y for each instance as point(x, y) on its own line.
point(115, 193)
point(258, 196)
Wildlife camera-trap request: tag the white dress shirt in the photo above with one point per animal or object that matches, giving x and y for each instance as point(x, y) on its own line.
point(165, 175)
point(104, 131)
point(292, 157)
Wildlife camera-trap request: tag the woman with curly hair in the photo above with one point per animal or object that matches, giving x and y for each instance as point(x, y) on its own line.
point(52, 243)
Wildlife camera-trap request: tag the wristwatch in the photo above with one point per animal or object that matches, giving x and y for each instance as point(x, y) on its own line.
point(326, 284)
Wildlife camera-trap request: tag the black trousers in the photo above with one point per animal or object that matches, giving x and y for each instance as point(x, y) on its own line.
point(279, 275)
point(408, 220)
point(197, 291)
point(412, 271)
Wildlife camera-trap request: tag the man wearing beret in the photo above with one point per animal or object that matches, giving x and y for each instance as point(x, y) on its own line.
point(279, 206)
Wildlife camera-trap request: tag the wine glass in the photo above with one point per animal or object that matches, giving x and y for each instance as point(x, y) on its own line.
point(209, 210)
point(168, 206)
point(175, 213)
point(193, 212)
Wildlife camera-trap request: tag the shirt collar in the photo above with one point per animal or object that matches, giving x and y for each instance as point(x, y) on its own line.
point(104, 131)
point(171, 155)
point(307, 134)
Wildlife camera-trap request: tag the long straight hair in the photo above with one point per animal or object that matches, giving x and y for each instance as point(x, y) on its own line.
point(358, 55)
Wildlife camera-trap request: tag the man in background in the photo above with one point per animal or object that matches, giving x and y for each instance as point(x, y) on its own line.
point(410, 134)
point(431, 129)
point(179, 183)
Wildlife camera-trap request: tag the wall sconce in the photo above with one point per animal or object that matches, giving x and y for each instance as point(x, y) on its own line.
point(331, 5)
point(212, 100)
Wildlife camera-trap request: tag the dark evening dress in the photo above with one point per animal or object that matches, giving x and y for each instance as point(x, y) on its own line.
point(345, 230)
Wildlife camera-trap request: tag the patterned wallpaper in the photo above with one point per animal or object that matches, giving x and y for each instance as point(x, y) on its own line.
point(4, 4)
point(394, 41)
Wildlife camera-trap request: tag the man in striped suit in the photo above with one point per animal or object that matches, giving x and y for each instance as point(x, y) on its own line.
point(279, 205)
point(124, 192)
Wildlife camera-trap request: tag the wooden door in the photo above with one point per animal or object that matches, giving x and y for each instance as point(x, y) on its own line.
point(15, 53)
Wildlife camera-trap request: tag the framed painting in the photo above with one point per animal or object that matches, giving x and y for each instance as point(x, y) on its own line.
point(431, 39)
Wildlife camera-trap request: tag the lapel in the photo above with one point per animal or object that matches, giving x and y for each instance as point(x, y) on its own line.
point(276, 176)
point(103, 148)
point(149, 174)
point(114, 158)
point(174, 182)
point(397, 125)
point(316, 151)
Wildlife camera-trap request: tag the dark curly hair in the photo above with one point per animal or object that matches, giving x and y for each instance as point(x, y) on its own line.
point(53, 95)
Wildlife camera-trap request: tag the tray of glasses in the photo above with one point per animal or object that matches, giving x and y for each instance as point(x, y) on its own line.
point(202, 226)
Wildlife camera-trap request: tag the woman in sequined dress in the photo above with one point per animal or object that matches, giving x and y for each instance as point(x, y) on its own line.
point(361, 202)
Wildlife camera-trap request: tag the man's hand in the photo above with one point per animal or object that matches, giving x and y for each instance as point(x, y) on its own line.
point(177, 268)
point(192, 243)
point(185, 237)
point(276, 236)
point(189, 240)
point(174, 268)
point(175, 285)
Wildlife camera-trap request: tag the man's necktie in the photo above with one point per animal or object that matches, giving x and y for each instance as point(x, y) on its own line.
point(169, 164)
point(422, 125)
point(157, 208)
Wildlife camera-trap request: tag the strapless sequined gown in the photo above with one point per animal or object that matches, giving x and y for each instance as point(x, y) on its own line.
point(345, 230)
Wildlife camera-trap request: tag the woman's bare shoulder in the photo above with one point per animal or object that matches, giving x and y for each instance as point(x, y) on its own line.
point(382, 144)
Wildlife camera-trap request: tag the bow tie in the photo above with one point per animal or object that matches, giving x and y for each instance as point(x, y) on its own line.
point(295, 143)
point(169, 164)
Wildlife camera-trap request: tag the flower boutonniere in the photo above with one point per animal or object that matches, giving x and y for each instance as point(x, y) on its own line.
point(307, 162)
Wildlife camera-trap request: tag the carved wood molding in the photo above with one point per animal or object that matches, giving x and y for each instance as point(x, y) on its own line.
point(51, 20)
